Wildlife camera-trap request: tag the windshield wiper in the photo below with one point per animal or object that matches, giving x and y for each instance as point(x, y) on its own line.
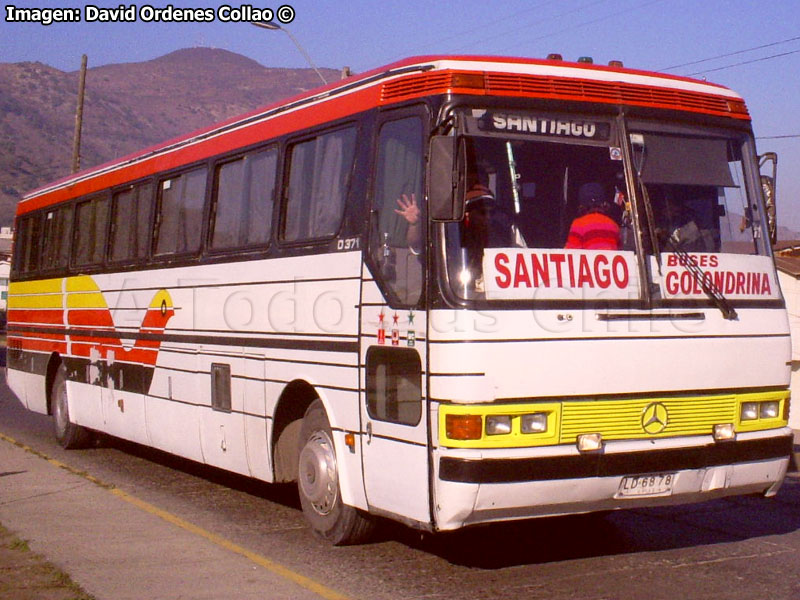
point(685, 259)
point(705, 283)
point(651, 222)
point(638, 155)
point(512, 171)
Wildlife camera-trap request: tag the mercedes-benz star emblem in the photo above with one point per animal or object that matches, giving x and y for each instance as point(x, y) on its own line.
point(655, 418)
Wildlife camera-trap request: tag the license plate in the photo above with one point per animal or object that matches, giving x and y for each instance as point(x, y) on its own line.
point(655, 484)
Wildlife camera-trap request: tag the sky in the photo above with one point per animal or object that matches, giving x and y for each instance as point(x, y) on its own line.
point(750, 46)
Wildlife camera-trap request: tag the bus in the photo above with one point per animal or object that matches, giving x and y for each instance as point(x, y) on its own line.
point(450, 291)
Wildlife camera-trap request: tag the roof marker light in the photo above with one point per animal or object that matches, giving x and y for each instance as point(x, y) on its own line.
point(468, 80)
point(615, 63)
point(554, 56)
point(586, 59)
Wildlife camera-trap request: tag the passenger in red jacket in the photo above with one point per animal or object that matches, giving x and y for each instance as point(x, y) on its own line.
point(595, 228)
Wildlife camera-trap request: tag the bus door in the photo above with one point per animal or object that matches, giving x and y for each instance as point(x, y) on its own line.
point(395, 447)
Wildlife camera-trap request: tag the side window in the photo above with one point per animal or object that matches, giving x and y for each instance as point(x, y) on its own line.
point(221, 387)
point(65, 236)
point(89, 240)
point(130, 223)
point(48, 238)
point(56, 236)
point(26, 245)
point(180, 213)
point(400, 228)
point(319, 178)
point(244, 192)
point(394, 385)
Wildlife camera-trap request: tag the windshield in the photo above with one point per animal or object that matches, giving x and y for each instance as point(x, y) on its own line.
point(548, 213)
point(704, 211)
point(698, 193)
point(565, 191)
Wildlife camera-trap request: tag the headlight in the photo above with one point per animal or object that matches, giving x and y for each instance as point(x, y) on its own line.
point(749, 411)
point(498, 424)
point(724, 432)
point(769, 410)
point(590, 442)
point(534, 423)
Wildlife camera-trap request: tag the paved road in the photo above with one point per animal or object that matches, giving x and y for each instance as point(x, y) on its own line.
point(173, 529)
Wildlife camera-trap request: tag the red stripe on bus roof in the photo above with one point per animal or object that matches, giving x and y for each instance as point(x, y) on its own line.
point(327, 109)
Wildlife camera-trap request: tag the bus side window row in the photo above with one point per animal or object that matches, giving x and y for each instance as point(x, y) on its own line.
point(180, 205)
point(130, 223)
point(120, 228)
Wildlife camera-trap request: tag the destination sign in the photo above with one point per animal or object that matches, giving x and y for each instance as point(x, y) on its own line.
point(524, 274)
point(545, 125)
point(737, 277)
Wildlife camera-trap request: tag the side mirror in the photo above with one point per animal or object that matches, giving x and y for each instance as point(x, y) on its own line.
point(445, 190)
point(768, 189)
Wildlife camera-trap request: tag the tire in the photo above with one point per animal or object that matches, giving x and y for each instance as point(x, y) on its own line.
point(67, 433)
point(318, 485)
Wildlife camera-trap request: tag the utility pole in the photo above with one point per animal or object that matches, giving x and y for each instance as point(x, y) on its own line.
point(76, 139)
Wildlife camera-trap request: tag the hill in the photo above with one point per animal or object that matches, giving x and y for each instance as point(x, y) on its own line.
point(127, 107)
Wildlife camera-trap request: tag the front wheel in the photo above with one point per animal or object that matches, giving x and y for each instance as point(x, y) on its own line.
point(318, 484)
point(67, 433)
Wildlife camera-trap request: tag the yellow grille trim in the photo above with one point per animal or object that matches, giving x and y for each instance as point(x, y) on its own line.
point(623, 419)
point(515, 439)
point(615, 419)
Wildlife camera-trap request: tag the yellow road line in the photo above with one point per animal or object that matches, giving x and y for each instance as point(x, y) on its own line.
point(268, 564)
point(263, 561)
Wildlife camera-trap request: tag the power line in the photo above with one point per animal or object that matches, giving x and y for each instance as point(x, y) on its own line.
point(518, 27)
point(777, 137)
point(589, 4)
point(483, 26)
point(597, 20)
point(697, 62)
point(747, 62)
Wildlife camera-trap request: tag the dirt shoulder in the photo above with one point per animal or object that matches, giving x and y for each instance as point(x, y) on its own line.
point(25, 575)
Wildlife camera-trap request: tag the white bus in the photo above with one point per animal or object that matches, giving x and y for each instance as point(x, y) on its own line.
point(453, 290)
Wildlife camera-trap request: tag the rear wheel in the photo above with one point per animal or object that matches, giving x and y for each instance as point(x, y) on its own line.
point(318, 484)
point(67, 433)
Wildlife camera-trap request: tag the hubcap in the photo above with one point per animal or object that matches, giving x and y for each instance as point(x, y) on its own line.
point(317, 473)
